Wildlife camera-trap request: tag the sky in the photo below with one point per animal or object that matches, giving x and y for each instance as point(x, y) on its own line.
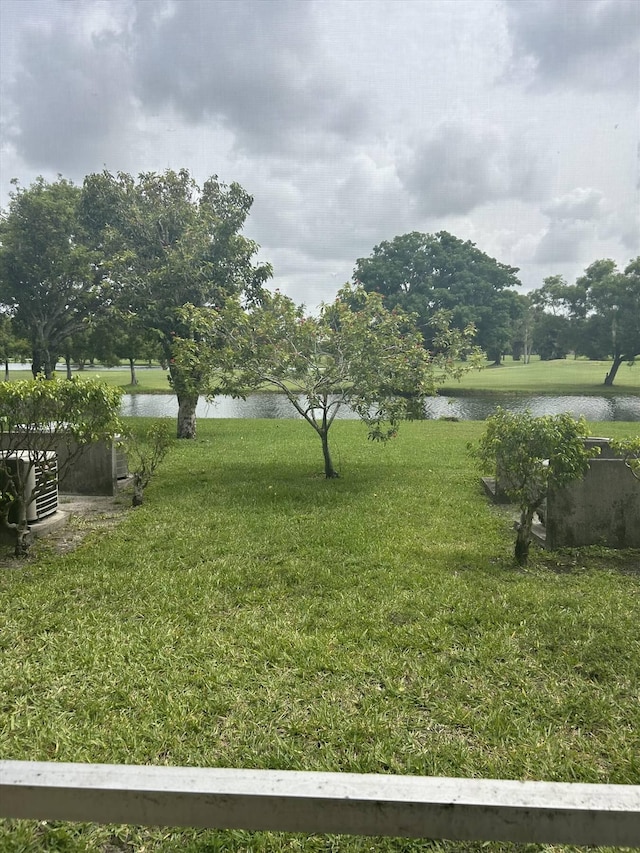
point(511, 123)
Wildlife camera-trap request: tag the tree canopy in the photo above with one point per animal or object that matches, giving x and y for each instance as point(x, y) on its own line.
point(48, 273)
point(598, 316)
point(610, 303)
point(168, 242)
point(423, 273)
point(35, 417)
point(356, 354)
point(529, 452)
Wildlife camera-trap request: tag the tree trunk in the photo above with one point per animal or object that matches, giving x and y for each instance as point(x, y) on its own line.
point(523, 537)
point(23, 540)
point(611, 375)
point(67, 361)
point(47, 367)
point(132, 368)
point(6, 370)
point(36, 362)
point(41, 364)
point(187, 415)
point(329, 471)
point(138, 491)
point(14, 520)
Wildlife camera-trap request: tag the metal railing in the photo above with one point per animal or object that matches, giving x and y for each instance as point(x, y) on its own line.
point(310, 802)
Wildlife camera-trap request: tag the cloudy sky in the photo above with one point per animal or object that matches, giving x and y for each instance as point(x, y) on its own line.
point(511, 123)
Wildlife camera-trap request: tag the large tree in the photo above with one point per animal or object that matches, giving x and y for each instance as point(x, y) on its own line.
point(355, 354)
point(425, 272)
point(168, 242)
point(598, 316)
point(610, 301)
point(48, 274)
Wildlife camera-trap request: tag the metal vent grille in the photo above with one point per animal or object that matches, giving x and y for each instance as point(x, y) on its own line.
point(42, 476)
point(46, 503)
point(122, 466)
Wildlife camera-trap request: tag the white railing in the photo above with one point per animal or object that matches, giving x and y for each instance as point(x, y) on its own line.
point(349, 803)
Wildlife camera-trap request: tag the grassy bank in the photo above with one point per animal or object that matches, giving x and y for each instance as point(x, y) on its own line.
point(253, 614)
point(564, 376)
point(151, 380)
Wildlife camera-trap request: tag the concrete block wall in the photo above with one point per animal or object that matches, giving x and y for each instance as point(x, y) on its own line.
point(601, 509)
point(94, 471)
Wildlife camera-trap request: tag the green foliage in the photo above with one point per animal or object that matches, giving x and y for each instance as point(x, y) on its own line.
point(11, 344)
point(355, 353)
point(35, 416)
point(629, 448)
point(615, 298)
point(168, 242)
point(526, 453)
point(145, 452)
point(48, 273)
point(86, 410)
point(423, 273)
point(551, 336)
point(598, 317)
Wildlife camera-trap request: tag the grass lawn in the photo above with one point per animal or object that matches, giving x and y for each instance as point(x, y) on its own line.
point(564, 376)
point(253, 614)
point(151, 380)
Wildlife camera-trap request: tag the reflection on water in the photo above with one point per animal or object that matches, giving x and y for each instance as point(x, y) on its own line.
point(471, 408)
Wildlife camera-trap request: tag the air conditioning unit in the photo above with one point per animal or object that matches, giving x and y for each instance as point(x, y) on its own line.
point(40, 475)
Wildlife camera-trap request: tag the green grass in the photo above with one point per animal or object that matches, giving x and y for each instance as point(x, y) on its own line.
point(152, 380)
point(253, 614)
point(564, 376)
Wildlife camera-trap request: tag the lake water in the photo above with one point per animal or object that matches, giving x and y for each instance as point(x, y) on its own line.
point(469, 408)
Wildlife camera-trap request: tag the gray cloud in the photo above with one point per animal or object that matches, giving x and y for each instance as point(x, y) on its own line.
point(334, 210)
point(584, 43)
point(580, 204)
point(573, 222)
point(564, 242)
point(348, 122)
point(459, 168)
point(69, 102)
point(256, 67)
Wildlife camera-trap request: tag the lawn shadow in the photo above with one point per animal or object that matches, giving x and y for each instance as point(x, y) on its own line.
point(571, 561)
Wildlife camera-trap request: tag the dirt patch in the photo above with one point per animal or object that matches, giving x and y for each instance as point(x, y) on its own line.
point(78, 516)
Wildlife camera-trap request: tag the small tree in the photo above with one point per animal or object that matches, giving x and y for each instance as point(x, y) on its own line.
point(35, 417)
point(354, 354)
point(529, 452)
point(145, 453)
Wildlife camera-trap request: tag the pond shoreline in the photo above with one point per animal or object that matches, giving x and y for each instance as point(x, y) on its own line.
point(469, 407)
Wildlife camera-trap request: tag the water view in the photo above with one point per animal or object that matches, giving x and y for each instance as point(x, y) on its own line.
point(468, 408)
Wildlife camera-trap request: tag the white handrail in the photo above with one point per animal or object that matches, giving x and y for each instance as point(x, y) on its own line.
point(298, 801)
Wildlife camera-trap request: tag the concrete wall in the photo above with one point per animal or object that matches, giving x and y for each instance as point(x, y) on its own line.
point(94, 471)
point(601, 509)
